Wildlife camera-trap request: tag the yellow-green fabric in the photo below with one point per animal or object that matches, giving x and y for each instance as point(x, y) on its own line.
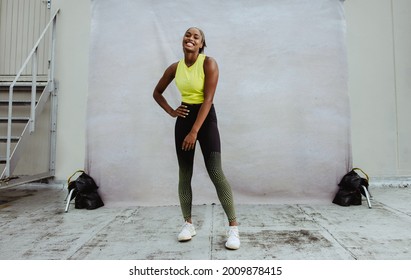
point(190, 80)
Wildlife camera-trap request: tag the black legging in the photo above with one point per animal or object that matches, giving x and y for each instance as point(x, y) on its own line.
point(209, 139)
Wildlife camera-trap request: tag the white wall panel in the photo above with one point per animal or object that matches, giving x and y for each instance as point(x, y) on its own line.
point(402, 47)
point(378, 40)
point(21, 23)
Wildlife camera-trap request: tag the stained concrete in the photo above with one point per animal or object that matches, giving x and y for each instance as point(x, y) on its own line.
point(33, 225)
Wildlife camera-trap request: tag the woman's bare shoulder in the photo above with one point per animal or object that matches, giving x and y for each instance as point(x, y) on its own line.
point(210, 63)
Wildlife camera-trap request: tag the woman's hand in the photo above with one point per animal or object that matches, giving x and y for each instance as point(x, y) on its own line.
point(190, 141)
point(181, 111)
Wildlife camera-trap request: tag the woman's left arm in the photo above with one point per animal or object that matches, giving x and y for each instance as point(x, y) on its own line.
point(210, 85)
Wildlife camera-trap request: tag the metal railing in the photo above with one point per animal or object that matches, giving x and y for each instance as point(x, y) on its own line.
point(35, 106)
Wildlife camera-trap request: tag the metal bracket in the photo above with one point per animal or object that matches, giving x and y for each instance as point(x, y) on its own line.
point(48, 3)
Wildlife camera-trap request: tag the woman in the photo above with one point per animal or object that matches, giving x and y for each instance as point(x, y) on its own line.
point(196, 76)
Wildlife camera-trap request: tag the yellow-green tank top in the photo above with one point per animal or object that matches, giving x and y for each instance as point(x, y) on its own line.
point(190, 80)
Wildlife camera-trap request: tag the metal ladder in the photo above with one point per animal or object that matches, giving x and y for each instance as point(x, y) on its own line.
point(15, 144)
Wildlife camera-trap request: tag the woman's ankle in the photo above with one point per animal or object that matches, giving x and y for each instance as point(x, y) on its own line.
point(233, 223)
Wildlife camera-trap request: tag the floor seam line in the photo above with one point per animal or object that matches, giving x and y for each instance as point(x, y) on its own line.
point(329, 232)
point(69, 257)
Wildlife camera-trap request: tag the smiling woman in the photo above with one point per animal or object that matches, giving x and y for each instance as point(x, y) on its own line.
point(198, 35)
point(189, 77)
point(196, 76)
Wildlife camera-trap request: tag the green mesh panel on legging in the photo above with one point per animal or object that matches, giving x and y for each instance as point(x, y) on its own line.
point(223, 188)
point(184, 190)
point(215, 171)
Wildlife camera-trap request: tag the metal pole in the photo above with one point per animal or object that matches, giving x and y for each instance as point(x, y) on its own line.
point(33, 92)
point(9, 119)
point(53, 91)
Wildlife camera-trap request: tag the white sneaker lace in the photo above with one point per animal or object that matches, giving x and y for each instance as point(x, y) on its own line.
point(233, 232)
point(186, 226)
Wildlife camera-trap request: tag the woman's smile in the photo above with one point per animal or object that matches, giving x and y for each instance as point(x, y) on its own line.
point(190, 44)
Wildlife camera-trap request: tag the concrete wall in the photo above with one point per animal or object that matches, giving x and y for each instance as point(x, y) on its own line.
point(378, 45)
point(72, 76)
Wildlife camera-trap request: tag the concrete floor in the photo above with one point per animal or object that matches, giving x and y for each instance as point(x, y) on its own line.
point(33, 225)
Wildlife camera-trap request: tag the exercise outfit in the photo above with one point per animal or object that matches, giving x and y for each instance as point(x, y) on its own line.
point(190, 82)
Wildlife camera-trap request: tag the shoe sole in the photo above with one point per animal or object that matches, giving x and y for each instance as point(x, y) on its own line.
point(232, 248)
point(186, 239)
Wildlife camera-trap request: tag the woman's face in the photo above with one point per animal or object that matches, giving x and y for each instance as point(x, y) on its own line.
point(192, 41)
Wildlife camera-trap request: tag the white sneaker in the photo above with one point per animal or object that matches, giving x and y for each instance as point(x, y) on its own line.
point(187, 232)
point(233, 241)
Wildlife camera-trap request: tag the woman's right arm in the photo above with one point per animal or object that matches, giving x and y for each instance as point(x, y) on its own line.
point(161, 86)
